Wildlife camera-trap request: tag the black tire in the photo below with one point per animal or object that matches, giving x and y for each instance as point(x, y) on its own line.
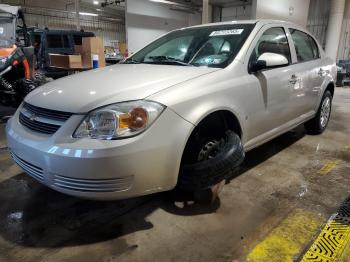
point(317, 125)
point(203, 175)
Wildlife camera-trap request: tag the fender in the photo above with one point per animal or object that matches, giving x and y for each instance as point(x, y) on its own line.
point(329, 80)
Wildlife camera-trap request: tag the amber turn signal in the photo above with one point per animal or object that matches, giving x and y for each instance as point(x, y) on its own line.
point(135, 119)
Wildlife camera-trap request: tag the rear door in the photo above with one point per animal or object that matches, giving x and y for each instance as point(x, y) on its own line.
point(308, 67)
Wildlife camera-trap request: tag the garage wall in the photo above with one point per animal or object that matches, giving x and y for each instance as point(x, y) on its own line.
point(344, 45)
point(49, 15)
point(318, 22)
point(318, 19)
point(145, 21)
point(232, 13)
point(295, 11)
point(236, 13)
point(110, 32)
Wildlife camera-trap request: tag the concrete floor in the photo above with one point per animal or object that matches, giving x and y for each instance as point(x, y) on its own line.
point(38, 224)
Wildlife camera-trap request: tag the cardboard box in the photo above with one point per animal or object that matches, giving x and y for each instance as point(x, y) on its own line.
point(92, 46)
point(65, 61)
point(123, 49)
point(78, 49)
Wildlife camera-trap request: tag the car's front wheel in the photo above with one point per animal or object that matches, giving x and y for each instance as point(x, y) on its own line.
point(211, 155)
point(319, 123)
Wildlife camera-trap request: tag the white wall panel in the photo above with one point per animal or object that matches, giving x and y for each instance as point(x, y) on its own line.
point(146, 21)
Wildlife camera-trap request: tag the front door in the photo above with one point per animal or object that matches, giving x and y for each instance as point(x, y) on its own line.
point(273, 104)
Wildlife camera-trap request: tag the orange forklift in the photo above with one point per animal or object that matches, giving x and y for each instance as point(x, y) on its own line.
point(17, 74)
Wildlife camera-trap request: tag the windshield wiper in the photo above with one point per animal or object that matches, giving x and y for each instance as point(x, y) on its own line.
point(131, 61)
point(166, 60)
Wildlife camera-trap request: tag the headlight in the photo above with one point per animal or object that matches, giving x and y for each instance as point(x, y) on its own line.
point(119, 120)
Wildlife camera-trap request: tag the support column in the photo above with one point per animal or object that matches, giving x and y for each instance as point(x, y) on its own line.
point(205, 12)
point(77, 16)
point(334, 28)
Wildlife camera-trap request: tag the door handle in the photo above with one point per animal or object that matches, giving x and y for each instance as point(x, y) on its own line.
point(293, 79)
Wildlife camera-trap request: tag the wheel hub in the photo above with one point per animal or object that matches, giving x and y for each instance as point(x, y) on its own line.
point(325, 111)
point(209, 150)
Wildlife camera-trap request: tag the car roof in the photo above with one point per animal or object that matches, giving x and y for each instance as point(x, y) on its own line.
point(257, 21)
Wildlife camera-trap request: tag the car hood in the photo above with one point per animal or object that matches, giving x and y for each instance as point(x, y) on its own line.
point(86, 91)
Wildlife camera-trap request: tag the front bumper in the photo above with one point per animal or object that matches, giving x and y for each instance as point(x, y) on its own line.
point(99, 169)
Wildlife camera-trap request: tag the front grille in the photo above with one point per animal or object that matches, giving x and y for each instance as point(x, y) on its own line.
point(93, 185)
point(30, 169)
point(42, 120)
point(47, 113)
point(37, 126)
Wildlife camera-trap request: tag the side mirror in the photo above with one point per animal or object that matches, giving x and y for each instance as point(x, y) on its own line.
point(269, 60)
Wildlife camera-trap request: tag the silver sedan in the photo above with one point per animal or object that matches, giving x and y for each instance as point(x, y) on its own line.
point(180, 112)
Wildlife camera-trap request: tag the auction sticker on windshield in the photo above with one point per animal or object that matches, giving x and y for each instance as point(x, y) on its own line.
point(227, 32)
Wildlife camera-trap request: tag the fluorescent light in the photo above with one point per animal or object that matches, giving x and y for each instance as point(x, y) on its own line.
point(88, 14)
point(164, 2)
point(95, 2)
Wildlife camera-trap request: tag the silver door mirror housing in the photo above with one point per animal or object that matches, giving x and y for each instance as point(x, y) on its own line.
point(273, 59)
point(268, 60)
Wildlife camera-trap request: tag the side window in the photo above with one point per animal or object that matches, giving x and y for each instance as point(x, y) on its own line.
point(314, 47)
point(305, 46)
point(273, 40)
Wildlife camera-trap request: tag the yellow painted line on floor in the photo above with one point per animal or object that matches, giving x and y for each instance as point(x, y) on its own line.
point(345, 256)
point(287, 241)
point(328, 167)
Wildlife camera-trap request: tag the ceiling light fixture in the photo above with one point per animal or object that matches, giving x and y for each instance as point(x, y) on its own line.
point(177, 6)
point(164, 2)
point(87, 14)
point(95, 2)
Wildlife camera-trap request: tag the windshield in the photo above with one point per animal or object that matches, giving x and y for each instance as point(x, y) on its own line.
point(7, 30)
point(211, 46)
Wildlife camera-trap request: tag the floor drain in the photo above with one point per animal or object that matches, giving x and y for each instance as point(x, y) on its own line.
point(332, 240)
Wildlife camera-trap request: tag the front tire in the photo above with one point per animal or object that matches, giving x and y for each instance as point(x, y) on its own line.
point(216, 161)
point(319, 123)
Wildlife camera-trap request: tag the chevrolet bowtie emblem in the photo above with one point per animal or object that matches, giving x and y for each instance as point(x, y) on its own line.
point(33, 117)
